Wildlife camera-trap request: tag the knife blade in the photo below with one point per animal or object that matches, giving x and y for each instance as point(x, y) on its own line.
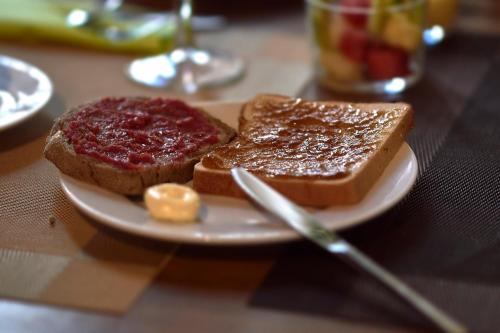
point(309, 227)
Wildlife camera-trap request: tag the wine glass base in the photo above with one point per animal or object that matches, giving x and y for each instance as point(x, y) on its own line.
point(186, 69)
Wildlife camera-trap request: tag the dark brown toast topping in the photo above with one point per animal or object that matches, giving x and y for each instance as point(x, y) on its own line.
point(129, 133)
point(297, 138)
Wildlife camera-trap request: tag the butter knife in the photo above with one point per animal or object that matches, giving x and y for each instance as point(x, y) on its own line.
point(309, 227)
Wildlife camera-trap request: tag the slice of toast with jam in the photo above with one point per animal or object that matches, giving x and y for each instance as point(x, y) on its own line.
point(128, 144)
point(315, 153)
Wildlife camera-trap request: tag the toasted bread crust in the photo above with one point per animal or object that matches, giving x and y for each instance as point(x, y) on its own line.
point(130, 182)
point(317, 192)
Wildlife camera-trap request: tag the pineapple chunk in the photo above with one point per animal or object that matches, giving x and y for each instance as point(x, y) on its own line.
point(319, 24)
point(340, 67)
point(377, 18)
point(402, 33)
point(336, 28)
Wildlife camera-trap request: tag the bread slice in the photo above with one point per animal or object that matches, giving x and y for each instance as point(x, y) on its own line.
point(60, 151)
point(370, 134)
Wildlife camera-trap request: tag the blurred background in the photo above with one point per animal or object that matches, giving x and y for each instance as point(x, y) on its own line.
point(20, 19)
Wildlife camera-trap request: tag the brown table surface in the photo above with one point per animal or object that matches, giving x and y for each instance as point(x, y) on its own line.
point(203, 289)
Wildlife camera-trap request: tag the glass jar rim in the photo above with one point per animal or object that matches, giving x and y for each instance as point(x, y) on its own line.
point(365, 10)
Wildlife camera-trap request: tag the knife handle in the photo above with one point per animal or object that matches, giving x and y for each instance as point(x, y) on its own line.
point(357, 259)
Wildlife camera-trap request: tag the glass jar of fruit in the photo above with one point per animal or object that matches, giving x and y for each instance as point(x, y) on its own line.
point(372, 46)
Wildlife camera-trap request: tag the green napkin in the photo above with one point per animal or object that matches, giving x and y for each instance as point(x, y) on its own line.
point(46, 20)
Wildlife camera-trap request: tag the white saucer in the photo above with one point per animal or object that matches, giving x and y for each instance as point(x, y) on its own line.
point(234, 221)
point(24, 91)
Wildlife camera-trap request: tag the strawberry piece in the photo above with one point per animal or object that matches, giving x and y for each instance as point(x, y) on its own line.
point(386, 62)
point(354, 45)
point(357, 19)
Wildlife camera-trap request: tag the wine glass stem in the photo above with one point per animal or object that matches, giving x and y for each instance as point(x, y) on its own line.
point(185, 35)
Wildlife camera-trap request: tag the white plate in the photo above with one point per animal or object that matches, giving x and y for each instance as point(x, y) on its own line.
point(24, 90)
point(234, 221)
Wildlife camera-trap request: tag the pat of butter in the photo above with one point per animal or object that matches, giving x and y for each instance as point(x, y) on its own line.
point(172, 202)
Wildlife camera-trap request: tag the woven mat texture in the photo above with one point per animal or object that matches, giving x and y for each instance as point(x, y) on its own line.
point(51, 253)
point(444, 238)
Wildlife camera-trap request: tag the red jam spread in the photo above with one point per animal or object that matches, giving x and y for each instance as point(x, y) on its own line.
point(297, 138)
point(133, 132)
